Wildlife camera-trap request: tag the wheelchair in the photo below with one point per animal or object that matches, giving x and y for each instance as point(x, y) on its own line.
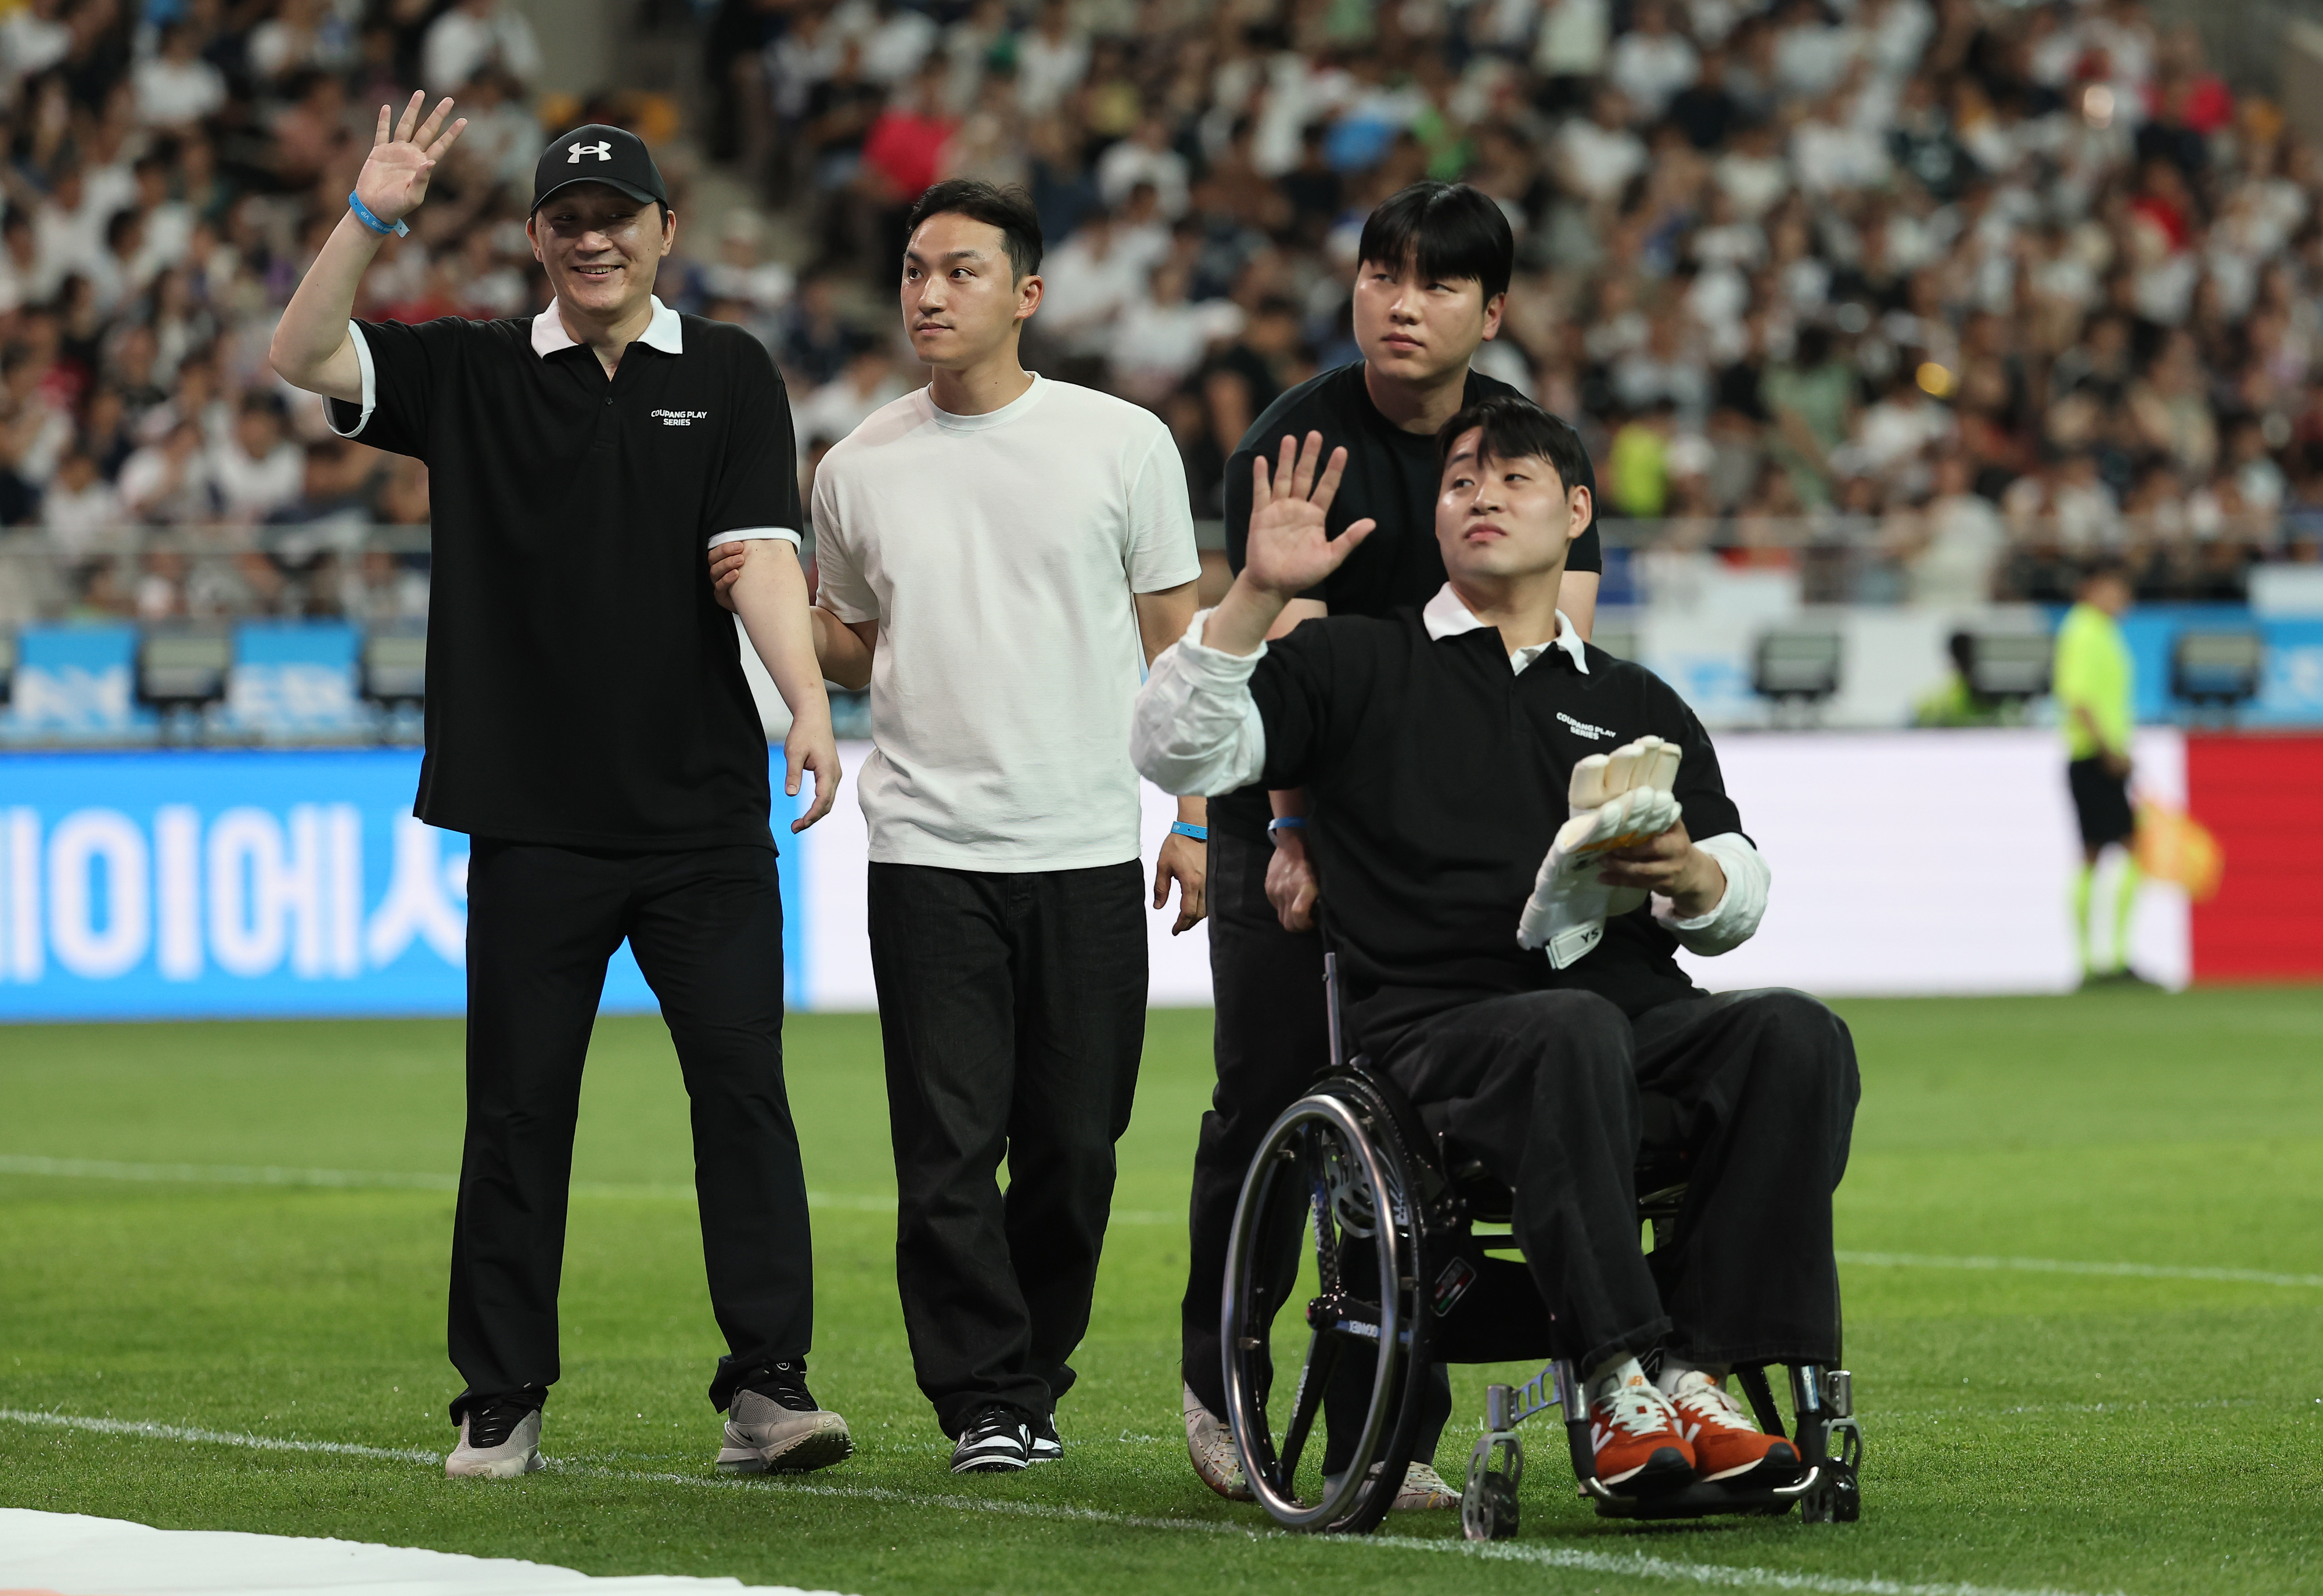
point(1402, 1269)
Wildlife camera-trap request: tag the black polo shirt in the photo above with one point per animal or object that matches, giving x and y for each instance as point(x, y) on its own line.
point(1391, 479)
point(585, 688)
point(1437, 778)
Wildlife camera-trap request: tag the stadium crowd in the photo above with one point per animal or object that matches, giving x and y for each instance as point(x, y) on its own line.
point(1927, 298)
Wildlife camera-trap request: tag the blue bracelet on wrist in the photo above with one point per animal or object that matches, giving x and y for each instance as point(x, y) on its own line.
point(1276, 826)
point(1188, 828)
point(365, 215)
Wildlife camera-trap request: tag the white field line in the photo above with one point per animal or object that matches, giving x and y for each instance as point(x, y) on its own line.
point(1629, 1564)
point(274, 1175)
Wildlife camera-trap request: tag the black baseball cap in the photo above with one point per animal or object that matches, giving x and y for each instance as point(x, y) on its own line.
point(596, 153)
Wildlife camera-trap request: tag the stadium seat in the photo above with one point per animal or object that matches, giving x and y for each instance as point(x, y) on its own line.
point(1413, 1257)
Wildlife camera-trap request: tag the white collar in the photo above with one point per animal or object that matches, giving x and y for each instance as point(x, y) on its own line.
point(1446, 616)
point(664, 332)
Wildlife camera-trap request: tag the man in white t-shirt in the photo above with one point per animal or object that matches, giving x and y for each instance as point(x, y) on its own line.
point(1000, 556)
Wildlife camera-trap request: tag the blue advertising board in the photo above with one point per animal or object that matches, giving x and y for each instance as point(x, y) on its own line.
point(162, 885)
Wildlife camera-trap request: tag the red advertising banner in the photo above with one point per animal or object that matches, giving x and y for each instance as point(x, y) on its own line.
point(2262, 797)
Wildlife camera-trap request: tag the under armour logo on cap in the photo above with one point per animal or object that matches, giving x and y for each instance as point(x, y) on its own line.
point(600, 149)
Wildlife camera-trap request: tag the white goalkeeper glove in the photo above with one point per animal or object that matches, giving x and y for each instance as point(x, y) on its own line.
point(1618, 800)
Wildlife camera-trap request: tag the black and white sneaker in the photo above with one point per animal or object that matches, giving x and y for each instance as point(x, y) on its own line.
point(500, 1439)
point(1046, 1447)
point(997, 1440)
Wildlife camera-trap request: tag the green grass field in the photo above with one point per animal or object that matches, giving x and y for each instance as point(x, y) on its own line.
point(2146, 1428)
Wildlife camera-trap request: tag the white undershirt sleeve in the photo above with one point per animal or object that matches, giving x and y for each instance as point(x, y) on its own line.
point(1195, 729)
point(1734, 921)
point(370, 387)
point(755, 534)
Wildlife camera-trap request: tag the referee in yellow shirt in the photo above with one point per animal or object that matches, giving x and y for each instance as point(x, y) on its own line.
point(2093, 684)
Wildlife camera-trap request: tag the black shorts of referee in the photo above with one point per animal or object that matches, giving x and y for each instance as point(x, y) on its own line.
point(2100, 804)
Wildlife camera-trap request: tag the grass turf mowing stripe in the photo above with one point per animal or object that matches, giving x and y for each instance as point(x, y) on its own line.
point(97, 1169)
point(2062, 1266)
point(273, 1175)
point(1633, 1565)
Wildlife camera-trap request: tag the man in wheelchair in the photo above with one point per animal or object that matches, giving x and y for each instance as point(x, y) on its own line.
point(1515, 831)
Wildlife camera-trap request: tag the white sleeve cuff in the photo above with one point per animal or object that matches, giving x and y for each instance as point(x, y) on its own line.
point(755, 534)
point(370, 388)
point(1214, 667)
point(1734, 920)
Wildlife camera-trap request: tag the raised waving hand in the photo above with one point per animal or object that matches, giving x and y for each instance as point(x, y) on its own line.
point(394, 178)
point(1288, 549)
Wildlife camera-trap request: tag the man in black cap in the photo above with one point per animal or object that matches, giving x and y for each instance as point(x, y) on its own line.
point(589, 725)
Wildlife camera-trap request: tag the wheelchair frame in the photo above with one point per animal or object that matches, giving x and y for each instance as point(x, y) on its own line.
point(1402, 1271)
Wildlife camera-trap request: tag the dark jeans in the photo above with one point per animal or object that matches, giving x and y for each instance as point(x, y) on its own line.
point(706, 926)
point(1012, 1007)
point(1271, 1042)
point(1749, 1096)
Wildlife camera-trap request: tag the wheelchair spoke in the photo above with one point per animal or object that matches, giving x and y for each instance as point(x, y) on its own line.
point(1314, 1380)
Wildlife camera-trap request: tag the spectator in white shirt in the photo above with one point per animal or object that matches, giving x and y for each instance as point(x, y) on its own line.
point(1092, 279)
point(897, 42)
point(177, 87)
point(1145, 157)
point(1597, 155)
point(840, 405)
point(1651, 62)
point(476, 35)
point(69, 230)
point(34, 40)
point(741, 274)
point(167, 481)
point(261, 471)
point(79, 507)
point(1162, 337)
point(1052, 60)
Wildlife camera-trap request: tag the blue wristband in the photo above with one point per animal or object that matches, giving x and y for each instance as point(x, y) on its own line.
point(1188, 828)
point(1288, 822)
point(364, 214)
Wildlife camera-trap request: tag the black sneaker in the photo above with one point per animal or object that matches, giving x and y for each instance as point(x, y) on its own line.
point(996, 1441)
point(1046, 1446)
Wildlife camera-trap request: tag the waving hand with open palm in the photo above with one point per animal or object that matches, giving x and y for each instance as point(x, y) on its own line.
point(394, 178)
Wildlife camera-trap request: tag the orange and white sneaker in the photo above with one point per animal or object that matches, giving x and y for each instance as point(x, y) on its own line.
point(1727, 1445)
point(1636, 1437)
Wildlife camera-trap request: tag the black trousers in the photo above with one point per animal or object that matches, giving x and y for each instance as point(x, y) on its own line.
point(1749, 1096)
point(1271, 1041)
point(706, 926)
point(1011, 1006)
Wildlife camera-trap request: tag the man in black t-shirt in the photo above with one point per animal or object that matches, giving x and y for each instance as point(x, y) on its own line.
point(1432, 283)
point(589, 725)
point(1448, 748)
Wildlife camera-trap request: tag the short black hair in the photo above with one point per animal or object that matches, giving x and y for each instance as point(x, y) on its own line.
point(1450, 230)
point(1010, 209)
point(1515, 428)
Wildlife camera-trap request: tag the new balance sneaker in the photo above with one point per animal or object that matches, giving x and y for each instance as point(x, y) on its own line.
point(1424, 1490)
point(1211, 1446)
point(498, 1441)
point(1635, 1434)
point(996, 1441)
point(1046, 1445)
point(1727, 1444)
point(774, 1426)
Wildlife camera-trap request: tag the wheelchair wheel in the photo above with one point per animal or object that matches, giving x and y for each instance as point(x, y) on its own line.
point(1331, 1178)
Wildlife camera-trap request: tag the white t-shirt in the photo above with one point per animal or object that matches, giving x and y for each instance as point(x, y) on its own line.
point(999, 554)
